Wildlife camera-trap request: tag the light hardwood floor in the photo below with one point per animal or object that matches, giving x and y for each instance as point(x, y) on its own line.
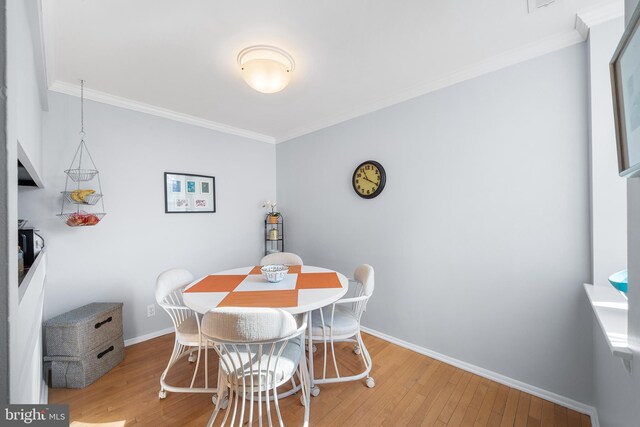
point(411, 390)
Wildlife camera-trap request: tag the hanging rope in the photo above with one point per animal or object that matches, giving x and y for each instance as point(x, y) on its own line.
point(82, 108)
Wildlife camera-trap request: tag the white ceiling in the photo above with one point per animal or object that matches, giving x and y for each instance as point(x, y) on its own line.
point(352, 57)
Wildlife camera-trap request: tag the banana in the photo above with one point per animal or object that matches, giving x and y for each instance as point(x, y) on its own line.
point(84, 193)
point(81, 195)
point(75, 195)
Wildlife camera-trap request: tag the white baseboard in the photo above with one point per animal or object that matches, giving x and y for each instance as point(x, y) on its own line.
point(595, 422)
point(44, 393)
point(148, 336)
point(494, 376)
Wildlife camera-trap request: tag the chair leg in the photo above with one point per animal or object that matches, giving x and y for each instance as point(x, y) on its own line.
point(195, 371)
point(356, 349)
point(213, 416)
point(305, 383)
point(163, 393)
point(221, 398)
point(206, 364)
point(366, 357)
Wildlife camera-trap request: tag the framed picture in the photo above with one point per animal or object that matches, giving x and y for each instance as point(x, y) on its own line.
point(625, 84)
point(187, 193)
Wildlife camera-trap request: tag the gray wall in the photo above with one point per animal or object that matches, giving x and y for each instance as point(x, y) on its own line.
point(120, 258)
point(481, 238)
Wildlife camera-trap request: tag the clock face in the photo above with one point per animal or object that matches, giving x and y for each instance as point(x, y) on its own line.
point(369, 179)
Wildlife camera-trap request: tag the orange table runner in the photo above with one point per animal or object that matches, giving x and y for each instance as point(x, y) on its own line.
point(217, 283)
point(272, 299)
point(228, 283)
point(317, 281)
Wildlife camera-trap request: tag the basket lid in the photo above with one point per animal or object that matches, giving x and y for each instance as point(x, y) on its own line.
point(85, 312)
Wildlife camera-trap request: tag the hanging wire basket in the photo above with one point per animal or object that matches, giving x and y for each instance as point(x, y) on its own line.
point(81, 218)
point(81, 175)
point(80, 197)
point(74, 198)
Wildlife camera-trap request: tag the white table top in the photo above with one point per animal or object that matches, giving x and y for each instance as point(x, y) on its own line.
point(304, 289)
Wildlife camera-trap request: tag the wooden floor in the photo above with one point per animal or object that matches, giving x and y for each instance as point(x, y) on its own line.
point(411, 390)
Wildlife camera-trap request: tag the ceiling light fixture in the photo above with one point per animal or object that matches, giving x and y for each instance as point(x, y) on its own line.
point(267, 69)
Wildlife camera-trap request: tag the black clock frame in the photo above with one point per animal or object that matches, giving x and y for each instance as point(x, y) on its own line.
point(383, 179)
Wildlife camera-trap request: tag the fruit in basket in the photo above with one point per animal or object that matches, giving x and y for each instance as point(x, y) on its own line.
point(91, 220)
point(82, 218)
point(75, 220)
point(80, 196)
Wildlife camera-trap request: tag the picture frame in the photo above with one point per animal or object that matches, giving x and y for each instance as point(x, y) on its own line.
point(625, 86)
point(189, 193)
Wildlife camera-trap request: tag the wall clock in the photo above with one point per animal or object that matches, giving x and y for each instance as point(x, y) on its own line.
point(369, 179)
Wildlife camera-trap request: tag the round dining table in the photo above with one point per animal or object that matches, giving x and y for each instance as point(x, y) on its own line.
point(304, 289)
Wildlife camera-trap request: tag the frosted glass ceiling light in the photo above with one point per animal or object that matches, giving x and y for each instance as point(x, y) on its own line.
point(267, 69)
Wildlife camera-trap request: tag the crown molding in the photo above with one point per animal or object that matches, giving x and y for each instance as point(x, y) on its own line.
point(497, 62)
point(584, 20)
point(129, 104)
point(598, 14)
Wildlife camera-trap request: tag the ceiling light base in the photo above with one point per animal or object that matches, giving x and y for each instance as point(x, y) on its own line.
point(265, 68)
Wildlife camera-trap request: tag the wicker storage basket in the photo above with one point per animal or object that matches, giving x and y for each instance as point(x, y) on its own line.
point(79, 372)
point(81, 330)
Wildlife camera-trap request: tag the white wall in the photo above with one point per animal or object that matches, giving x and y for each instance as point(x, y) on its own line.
point(6, 271)
point(608, 191)
point(616, 391)
point(120, 258)
point(632, 387)
point(612, 384)
point(24, 127)
point(480, 239)
point(28, 123)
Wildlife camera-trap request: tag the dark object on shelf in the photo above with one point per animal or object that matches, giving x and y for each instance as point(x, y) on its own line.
point(31, 244)
point(273, 234)
point(84, 344)
point(24, 177)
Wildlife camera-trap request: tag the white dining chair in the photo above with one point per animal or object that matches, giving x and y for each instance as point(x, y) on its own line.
point(260, 349)
point(286, 258)
point(340, 322)
point(186, 323)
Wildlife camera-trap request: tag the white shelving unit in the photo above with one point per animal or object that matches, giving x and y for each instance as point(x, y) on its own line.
point(611, 310)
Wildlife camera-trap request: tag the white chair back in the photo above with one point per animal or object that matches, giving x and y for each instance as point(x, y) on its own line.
point(341, 323)
point(260, 349)
point(364, 277)
point(169, 287)
point(286, 258)
point(170, 281)
point(248, 325)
